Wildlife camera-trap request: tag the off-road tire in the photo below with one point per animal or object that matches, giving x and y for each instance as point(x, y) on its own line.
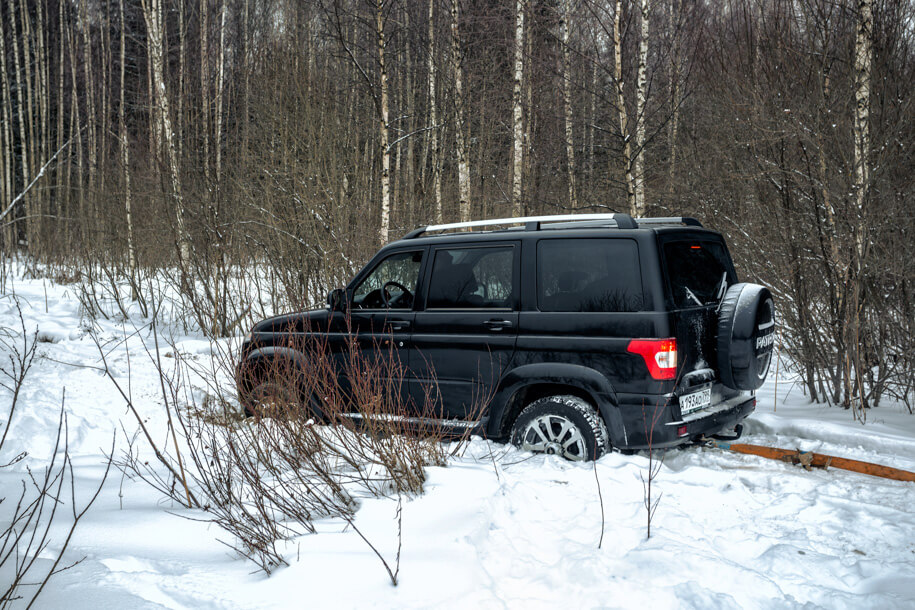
point(272, 399)
point(746, 336)
point(553, 411)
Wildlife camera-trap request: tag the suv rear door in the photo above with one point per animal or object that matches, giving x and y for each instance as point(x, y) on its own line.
point(698, 270)
point(464, 335)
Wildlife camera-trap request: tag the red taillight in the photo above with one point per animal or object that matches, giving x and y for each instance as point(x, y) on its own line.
point(681, 431)
point(660, 356)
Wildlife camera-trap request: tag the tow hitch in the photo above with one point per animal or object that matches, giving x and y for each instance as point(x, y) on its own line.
point(738, 432)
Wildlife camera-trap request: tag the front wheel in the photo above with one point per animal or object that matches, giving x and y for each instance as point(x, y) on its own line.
point(272, 399)
point(561, 425)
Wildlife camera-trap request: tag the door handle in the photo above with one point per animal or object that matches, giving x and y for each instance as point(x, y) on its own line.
point(497, 325)
point(399, 324)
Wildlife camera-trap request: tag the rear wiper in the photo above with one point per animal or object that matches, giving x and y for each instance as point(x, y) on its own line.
point(690, 294)
point(722, 288)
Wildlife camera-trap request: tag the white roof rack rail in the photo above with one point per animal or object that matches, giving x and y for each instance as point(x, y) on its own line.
point(532, 223)
point(622, 221)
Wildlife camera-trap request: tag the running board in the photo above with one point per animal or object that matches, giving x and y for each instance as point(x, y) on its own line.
point(426, 421)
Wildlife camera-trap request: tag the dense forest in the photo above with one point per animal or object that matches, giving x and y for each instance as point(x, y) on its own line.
point(240, 144)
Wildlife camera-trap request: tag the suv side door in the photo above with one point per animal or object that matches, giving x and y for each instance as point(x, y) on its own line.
point(585, 303)
point(383, 326)
point(464, 335)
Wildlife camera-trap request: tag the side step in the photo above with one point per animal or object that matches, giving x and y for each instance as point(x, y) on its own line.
point(457, 425)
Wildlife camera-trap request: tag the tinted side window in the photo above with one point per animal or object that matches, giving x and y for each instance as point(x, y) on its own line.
point(472, 278)
point(695, 270)
point(589, 275)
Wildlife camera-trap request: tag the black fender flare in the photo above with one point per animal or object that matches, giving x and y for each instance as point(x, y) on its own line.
point(594, 384)
point(272, 353)
point(266, 356)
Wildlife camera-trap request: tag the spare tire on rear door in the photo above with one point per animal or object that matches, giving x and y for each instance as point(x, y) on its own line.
point(746, 334)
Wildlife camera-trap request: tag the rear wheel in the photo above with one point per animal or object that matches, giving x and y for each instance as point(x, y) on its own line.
point(563, 425)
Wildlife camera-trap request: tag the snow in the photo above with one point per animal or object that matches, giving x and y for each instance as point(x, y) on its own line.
point(496, 528)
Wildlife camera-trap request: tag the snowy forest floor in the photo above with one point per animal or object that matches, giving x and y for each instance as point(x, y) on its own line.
point(496, 528)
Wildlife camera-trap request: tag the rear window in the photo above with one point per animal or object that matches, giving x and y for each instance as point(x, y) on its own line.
point(588, 275)
point(697, 271)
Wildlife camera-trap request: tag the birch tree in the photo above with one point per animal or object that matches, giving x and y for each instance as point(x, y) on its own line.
point(460, 135)
point(155, 35)
point(383, 124)
point(6, 136)
point(564, 28)
point(517, 111)
point(21, 107)
point(864, 50)
point(638, 208)
point(434, 160)
point(621, 106)
point(125, 156)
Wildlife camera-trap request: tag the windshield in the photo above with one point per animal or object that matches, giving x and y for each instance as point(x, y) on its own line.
point(698, 272)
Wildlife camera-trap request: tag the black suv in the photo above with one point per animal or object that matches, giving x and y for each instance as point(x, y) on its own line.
point(584, 332)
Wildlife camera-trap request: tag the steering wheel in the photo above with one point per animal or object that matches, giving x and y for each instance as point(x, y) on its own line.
point(386, 298)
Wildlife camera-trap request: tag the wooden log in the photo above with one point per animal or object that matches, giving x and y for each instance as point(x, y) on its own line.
point(809, 459)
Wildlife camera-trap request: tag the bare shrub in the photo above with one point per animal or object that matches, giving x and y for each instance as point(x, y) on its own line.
point(325, 435)
point(25, 525)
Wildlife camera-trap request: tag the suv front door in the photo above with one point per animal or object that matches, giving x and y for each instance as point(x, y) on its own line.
point(464, 335)
point(380, 318)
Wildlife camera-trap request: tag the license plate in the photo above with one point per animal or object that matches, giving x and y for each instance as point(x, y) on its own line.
point(695, 401)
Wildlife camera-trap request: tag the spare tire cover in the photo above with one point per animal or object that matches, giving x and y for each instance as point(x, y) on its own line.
point(746, 336)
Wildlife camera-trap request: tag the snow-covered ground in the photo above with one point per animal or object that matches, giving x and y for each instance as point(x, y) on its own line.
point(496, 528)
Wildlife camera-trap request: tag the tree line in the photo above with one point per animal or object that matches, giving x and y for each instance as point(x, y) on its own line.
point(210, 135)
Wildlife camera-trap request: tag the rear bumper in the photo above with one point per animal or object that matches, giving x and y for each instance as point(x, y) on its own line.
point(667, 427)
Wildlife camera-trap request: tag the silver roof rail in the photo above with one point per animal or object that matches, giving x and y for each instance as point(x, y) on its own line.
point(532, 223)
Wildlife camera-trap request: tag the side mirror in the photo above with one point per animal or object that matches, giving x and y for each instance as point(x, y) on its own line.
point(336, 299)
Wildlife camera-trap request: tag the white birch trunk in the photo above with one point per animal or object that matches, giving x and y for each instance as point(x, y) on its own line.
point(621, 105)
point(383, 126)
point(125, 159)
point(641, 107)
point(592, 121)
point(220, 88)
point(864, 43)
point(676, 7)
point(6, 136)
point(863, 59)
point(564, 28)
point(152, 13)
point(182, 68)
point(204, 85)
point(460, 136)
point(21, 108)
point(91, 133)
point(517, 111)
point(433, 118)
